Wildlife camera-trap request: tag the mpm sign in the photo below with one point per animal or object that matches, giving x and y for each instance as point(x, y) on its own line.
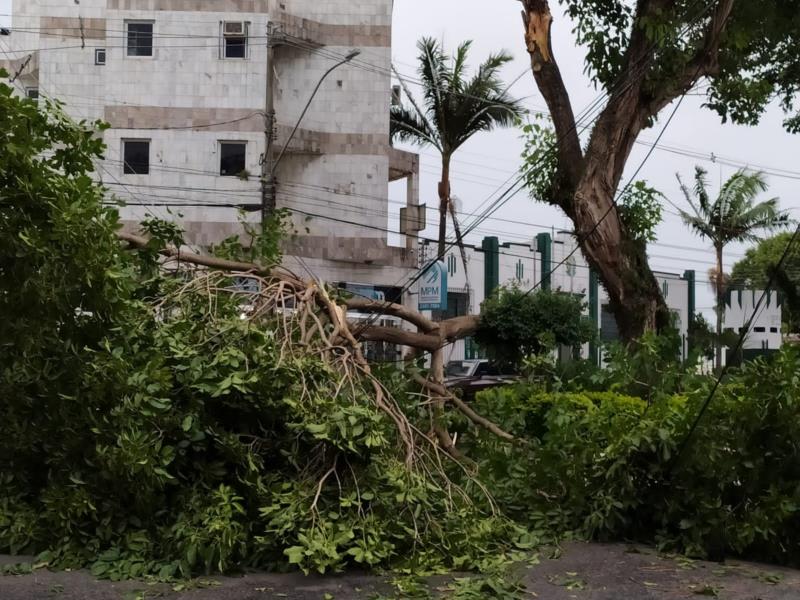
point(433, 289)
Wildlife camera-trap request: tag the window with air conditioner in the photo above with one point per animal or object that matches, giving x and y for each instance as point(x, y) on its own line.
point(136, 157)
point(233, 156)
point(139, 38)
point(234, 39)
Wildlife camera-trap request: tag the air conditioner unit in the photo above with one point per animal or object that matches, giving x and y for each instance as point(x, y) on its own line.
point(234, 28)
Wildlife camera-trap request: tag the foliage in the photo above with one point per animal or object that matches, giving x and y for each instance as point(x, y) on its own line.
point(650, 369)
point(639, 206)
point(641, 211)
point(606, 465)
point(756, 63)
point(515, 323)
point(154, 425)
point(760, 264)
point(702, 337)
point(539, 160)
point(734, 215)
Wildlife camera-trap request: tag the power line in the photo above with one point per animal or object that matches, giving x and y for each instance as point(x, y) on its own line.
point(739, 344)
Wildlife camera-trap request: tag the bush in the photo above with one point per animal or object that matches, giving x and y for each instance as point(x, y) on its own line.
point(515, 324)
point(605, 465)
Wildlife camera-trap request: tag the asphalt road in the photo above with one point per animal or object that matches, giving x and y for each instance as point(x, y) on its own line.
point(583, 572)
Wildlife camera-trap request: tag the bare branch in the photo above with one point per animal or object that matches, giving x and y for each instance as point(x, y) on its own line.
point(464, 408)
point(396, 310)
point(394, 335)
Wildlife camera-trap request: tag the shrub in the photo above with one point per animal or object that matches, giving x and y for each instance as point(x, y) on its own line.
point(605, 465)
point(515, 324)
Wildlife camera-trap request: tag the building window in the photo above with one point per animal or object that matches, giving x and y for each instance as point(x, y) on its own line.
point(136, 157)
point(32, 93)
point(100, 56)
point(760, 329)
point(457, 305)
point(773, 330)
point(608, 325)
point(232, 158)
point(140, 38)
point(234, 39)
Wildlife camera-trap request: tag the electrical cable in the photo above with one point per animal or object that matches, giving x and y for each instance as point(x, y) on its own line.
point(739, 344)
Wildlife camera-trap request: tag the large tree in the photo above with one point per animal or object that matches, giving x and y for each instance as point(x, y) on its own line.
point(454, 108)
point(734, 216)
point(644, 55)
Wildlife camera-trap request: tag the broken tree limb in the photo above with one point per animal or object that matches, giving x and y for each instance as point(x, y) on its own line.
point(538, 21)
point(395, 310)
point(464, 408)
point(432, 336)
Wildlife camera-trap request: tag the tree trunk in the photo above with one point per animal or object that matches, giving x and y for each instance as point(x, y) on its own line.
point(585, 183)
point(444, 202)
point(634, 295)
point(720, 308)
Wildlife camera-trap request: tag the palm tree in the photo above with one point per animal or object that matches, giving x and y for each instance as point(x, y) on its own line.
point(453, 109)
point(734, 216)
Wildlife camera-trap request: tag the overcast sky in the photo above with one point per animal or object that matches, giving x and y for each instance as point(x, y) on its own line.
point(486, 162)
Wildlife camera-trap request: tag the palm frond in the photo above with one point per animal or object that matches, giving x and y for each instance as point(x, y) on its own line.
point(734, 216)
point(690, 199)
point(459, 66)
point(435, 74)
point(701, 189)
point(431, 134)
point(407, 126)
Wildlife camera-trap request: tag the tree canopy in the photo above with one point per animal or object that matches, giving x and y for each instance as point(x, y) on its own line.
point(754, 62)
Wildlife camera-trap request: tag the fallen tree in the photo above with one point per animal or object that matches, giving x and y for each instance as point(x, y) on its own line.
point(160, 420)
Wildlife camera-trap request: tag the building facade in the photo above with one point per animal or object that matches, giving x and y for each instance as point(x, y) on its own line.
point(204, 97)
point(550, 261)
point(764, 334)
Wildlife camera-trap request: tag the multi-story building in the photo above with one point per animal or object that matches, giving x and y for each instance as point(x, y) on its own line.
point(189, 87)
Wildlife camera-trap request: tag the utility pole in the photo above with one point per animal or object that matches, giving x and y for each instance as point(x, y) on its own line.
point(268, 186)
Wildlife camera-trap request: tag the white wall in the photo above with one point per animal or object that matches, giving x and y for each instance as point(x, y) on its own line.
point(740, 307)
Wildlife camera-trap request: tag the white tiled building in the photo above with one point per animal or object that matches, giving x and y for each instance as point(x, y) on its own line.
point(184, 85)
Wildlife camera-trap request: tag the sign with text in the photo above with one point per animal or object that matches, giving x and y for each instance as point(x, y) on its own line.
point(433, 287)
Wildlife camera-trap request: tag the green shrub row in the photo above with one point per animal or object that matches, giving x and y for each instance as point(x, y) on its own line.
point(606, 465)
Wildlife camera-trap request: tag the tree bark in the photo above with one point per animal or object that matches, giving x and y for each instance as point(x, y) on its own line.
point(431, 336)
point(444, 203)
point(586, 183)
point(720, 308)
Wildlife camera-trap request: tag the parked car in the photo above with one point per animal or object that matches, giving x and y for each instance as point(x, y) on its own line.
point(471, 376)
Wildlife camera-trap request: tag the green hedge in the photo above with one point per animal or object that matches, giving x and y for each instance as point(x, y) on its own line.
point(604, 465)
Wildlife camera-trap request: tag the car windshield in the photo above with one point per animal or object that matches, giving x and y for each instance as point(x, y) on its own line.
point(457, 368)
